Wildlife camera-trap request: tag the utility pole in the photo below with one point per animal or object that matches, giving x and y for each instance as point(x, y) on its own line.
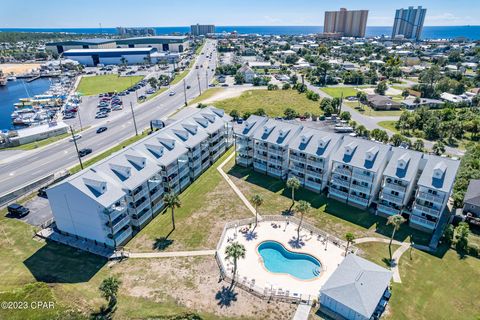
point(206, 79)
point(133, 117)
point(199, 88)
point(79, 118)
point(76, 147)
point(185, 91)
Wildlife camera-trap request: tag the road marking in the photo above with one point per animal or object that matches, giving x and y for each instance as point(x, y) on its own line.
point(11, 173)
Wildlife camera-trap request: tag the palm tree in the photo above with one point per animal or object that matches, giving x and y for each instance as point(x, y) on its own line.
point(350, 237)
point(257, 201)
point(235, 251)
point(293, 183)
point(109, 289)
point(302, 207)
point(395, 220)
point(172, 201)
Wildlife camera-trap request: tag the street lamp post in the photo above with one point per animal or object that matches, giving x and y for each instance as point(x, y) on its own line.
point(76, 147)
point(206, 79)
point(133, 117)
point(199, 88)
point(185, 91)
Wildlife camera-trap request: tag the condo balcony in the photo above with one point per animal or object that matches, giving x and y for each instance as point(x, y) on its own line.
point(386, 209)
point(419, 209)
point(360, 188)
point(122, 236)
point(316, 163)
point(363, 177)
point(244, 161)
point(435, 198)
point(276, 161)
point(275, 172)
point(298, 158)
point(358, 200)
point(340, 182)
point(119, 223)
point(338, 193)
point(313, 184)
point(277, 152)
point(157, 206)
point(342, 171)
point(259, 147)
point(392, 198)
point(414, 219)
point(394, 186)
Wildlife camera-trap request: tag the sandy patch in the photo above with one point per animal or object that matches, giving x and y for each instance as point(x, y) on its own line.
point(229, 93)
point(18, 68)
point(194, 283)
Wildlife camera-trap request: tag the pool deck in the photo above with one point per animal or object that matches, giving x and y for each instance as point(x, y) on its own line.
point(252, 267)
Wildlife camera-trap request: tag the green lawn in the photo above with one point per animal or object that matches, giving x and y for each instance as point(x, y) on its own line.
point(90, 86)
point(336, 92)
point(389, 125)
point(206, 95)
point(207, 204)
point(108, 152)
point(377, 252)
point(274, 102)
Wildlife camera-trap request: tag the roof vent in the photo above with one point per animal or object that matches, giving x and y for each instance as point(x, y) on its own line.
point(282, 133)
point(169, 143)
point(202, 121)
point(403, 161)
point(304, 139)
point(249, 124)
point(219, 112)
point(191, 128)
point(209, 117)
point(323, 142)
point(182, 134)
point(267, 129)
point(350, 148)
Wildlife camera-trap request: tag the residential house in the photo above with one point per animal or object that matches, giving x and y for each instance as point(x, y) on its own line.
point(379, 102)
point(248, 73)
point(471, 201)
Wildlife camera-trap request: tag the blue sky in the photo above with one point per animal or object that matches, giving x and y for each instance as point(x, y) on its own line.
point(112, 13)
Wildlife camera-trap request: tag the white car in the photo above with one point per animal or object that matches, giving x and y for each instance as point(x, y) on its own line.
point(75, 137)
point(172, 93)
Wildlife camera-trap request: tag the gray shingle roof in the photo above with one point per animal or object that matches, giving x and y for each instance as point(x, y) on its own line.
point(358, 284)
point(248, 127)
point(472, 196)
point(361, 149)
point(278, 132)
point(403, 164)
point(439, 173)
point(315, 142)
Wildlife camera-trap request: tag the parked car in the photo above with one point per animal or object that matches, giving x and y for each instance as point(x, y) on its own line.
point(76, 137)
point(69, 116)
point(101, 115)
point(42, 192)
point(101, 129)
point(83, 152)
point(17, 210)
point(172, 93)
point(150, 91)
point(239, 120)
point(141, 98)
point(225, 85)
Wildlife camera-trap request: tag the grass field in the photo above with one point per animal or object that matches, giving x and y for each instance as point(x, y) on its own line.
point(273, 102)
point(336, 92)
point(207, 205)
point(389, 125)
point(90, 86)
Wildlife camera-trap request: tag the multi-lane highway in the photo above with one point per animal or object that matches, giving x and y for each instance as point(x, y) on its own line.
point(32, 165)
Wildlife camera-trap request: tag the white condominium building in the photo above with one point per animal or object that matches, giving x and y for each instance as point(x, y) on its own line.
point(244, 140)
point(112, 199)
point(357, 171)
point(399, 181)
point(433, 191)
point(270, 147)
point(310, 153)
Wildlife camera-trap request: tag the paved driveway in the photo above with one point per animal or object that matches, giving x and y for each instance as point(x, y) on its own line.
point(40, 211)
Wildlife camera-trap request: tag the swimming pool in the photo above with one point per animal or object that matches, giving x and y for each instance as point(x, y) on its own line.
point(277, 259)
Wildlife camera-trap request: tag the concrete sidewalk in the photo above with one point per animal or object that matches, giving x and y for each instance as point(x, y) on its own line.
point(141, 255)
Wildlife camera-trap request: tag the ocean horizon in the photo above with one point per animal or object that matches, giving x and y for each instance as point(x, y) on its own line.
point(429, 32)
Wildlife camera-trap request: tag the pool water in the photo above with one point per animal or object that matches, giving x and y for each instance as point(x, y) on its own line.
point(277, 259)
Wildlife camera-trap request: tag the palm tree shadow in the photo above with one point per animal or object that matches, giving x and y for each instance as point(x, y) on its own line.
point(162, 243)
point(250, 235)
point(225, 297)
point(105, 313)
point(296, 243)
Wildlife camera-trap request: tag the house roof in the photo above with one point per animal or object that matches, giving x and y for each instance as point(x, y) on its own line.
point(439, 173)
point(403, 164)
point(357, 284)
point(249, 126)
point(277, 132)
point(92, 41)
point(472, 196)
point(362, 153)
point(315, 142)
point(379, 100)
point(107, 181)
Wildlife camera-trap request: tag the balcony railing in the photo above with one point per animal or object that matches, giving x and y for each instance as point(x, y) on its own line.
point(430, 197)
point(391, 198)
point(120, 224)
point(122, 236)
point(313, 184)
point(394, 187)
point(260, 148)
point(342, 171)
point(338, 193)
point(297, 158)
point(316, 163)
point(275, 172)
point(337, 181)
point(360, 188)
point(276, 161)
point(363, 177)
point(430, 211)
point(358, 200)
point(423, 222)
point(142, 217)
point(387, 209)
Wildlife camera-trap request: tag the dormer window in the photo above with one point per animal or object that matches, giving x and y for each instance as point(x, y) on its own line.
point(282, 133)
point(323, 142)
point(97, 185)
point(169, 143)
point(124, 171)
point(304, 139)
point(267, 129)
point(191, 128)
point(202, 121)
point(350, 148)
point(209, 117)
point(182, 134)
point(371, 153)
point(219, 112)
point(439, 170)
point(136, 160)
point(156, 150)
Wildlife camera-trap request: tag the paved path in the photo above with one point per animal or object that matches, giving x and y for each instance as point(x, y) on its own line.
point(375, 239)
point(303, 310)
point(140, 255)
point(396, 259)
point(233, 186)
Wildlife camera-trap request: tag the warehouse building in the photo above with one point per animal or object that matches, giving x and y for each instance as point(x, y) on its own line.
point(93, 57)
point(161, 43)
point(96, 43)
